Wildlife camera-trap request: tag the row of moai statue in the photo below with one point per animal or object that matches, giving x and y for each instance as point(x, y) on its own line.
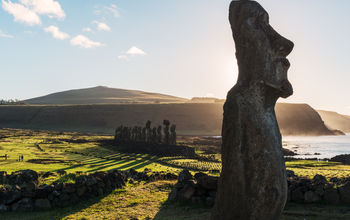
point(159, 135)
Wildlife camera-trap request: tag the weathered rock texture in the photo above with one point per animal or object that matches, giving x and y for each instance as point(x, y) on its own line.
point(253, 181)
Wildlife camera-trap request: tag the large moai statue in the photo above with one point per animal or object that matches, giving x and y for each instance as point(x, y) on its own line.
point(253, 185)
point(159, 134)
point(118, 133)
point(166, 138)
point(173, 134)
point(148, 131)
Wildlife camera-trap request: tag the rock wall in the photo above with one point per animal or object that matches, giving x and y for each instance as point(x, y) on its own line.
point(201, 189)
point(22, 191)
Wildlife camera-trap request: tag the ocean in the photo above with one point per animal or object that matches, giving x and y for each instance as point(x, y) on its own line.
point(320, 147)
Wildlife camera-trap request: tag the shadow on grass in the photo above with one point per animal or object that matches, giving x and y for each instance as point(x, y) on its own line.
point(293, 211)
point(177, 211)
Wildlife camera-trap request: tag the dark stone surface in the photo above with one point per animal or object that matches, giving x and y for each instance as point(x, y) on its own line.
point(42, 204)
point(253, 180)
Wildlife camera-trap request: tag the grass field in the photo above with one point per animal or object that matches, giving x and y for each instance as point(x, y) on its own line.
point(73, 152)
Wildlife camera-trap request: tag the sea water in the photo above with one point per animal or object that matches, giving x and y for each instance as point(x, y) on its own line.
point(320, 147)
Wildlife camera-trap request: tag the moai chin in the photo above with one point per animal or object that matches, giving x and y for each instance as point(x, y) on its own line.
point(253, 182)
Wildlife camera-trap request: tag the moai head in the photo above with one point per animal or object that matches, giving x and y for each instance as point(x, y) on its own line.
point(166, 123)
point(261, 52)
point(148, 124)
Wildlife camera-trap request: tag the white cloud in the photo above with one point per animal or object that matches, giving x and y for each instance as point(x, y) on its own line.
point(87, 29)
point(21, 13)
point(107, 11)
point(5, 35)
point(136, 51)
point(209, 95)
point(56, 33)
point(47, 7)
point(102, 26)
point(123, 57)
point(84, 42)
point(113, 9)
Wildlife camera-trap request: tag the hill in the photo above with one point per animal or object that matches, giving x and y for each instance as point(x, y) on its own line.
point(335, 120)
point(300, 119)
point(190, 118)
point(103, 95)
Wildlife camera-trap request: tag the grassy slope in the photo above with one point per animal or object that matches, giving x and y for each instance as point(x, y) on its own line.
point(336, 121)
point(190, 118)
point(135, 201)
point(102, 94)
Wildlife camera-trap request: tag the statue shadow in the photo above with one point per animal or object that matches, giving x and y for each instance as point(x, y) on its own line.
point(179, 210)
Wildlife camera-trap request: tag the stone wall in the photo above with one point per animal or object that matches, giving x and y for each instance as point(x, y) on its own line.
point(201, 189)
point(22, 192)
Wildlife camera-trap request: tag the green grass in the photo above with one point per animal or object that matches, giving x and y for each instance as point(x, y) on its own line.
point(75, 152)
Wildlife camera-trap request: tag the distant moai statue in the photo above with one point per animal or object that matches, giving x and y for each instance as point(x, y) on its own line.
point(173, 134)
point(253, 182)
point(139, 134)
point(143, 135)
point(148, 131)
point(154, 135)
point(159, 134)
point(134, 134)
point(166, 124)
point(118, 133)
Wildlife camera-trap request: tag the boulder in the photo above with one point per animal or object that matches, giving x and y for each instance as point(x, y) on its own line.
point(184, 175)
point(208, 182)
point(331, 196)
point(12, 196)
point(30, 186)
point(23, 176)
point(297, 195)
point(344, 192)
point(81, 190)
point(25, 204)
point(187, 192)
point(42, 204)
point(311, 197)
point(4, 208)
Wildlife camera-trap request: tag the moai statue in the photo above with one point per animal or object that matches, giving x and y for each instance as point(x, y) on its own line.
point(139, 133)
point(154, 135)
point(159, 134)
point(166, 139)
point(148, 131)
point(134, 134)
point(125, 133)
point(118, 133)
point(253, 181)
point(143, 135)
point(173, 134)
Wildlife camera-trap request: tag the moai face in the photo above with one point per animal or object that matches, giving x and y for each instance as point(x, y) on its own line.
point(263, 51)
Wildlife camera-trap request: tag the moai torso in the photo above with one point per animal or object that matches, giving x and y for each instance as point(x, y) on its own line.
point(159, 134)
point(173, 134)
point(148, 131)
point(166, 124)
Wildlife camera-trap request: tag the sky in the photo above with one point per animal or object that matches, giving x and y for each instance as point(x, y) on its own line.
point(180, 47)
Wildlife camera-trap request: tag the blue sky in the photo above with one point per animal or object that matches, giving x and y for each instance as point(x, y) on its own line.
point(179, 47)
